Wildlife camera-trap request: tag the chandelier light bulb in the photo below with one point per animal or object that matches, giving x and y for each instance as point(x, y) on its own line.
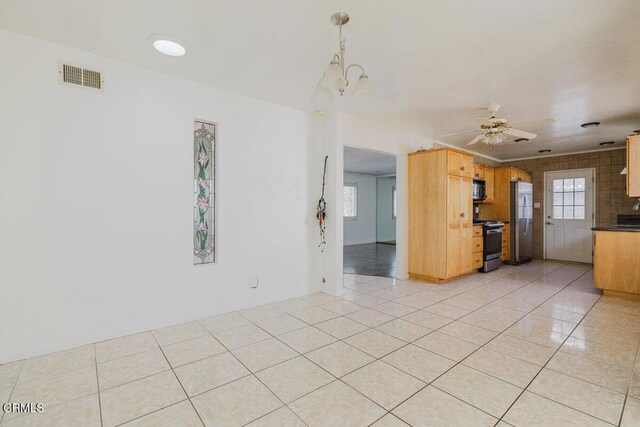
point(332, 76)
point(321, 100)
point(363, 86)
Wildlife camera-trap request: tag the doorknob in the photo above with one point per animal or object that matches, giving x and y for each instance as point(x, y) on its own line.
point(550, 223)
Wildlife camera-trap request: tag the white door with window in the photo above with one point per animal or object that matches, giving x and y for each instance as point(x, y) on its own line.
point(569, 215)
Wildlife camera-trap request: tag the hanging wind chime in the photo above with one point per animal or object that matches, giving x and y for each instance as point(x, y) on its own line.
point(322, 210)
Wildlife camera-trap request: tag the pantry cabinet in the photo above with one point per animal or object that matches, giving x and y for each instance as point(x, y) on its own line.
point(440, 214)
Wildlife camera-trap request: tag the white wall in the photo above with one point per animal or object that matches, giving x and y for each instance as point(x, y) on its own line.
point(363, 228)
point(360, 133)
point(96, 201)
point(385, 222)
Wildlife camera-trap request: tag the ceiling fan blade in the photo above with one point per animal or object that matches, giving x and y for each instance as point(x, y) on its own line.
point(458, 133)
point(475, 140)
point(541, 121)
point(520, 133)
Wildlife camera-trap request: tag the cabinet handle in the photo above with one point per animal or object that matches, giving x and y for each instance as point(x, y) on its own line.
point(462, 168)
point(477, 174)
point(462, 215)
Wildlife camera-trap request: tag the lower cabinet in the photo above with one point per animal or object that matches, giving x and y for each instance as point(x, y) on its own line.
point(477, 248)
point(459, 250)
point(506, 239)
point(466, 249)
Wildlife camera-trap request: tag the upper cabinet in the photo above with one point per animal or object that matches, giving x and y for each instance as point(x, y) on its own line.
point(516, 174)
point(633, 166)
point(489, 182)
point(459, 164)
point(478, 171)
point(524, 176)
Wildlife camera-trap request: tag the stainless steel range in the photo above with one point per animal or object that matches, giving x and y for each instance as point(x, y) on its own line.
point(492, 245)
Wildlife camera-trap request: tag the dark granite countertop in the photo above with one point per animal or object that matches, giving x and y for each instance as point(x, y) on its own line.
point(615, 227)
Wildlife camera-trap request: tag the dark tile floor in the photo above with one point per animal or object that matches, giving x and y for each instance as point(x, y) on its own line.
point(370, 259)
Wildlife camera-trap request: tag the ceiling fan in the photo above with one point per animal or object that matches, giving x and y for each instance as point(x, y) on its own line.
point(495, 130)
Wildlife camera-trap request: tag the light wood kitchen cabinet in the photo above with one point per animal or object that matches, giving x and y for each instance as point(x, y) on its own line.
point(440, 214)
point(459, 163)
point(633, 166)
point(466, 250)
point(477, 231)
point(478, 171)
point(477, 244)
point(500, 207)
point(489, 179)
point(506, 239)
point(616, 266)
point(524, 176)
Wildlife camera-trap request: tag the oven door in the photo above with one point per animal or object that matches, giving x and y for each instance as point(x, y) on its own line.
point(492, 243)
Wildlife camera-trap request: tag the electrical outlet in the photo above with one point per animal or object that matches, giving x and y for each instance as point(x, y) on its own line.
point(253, 282)
point(536, 205)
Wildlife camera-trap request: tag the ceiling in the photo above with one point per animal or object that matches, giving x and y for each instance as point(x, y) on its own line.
point(368, 162)
point(435, 65)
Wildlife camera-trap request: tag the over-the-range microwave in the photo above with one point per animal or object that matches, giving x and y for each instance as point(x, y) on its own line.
point(479, 191)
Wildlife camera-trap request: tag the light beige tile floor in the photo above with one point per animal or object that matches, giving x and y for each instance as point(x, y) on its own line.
point(534, 345)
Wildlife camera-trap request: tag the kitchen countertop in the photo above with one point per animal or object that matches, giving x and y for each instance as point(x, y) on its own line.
point(616, 227)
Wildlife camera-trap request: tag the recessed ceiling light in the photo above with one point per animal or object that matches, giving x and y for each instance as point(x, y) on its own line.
point(168, 45)
point(544, 151)
point(608, 143)
point(590, 125)
point(521, 140)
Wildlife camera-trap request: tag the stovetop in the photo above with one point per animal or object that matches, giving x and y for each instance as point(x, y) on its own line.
point(489, 223)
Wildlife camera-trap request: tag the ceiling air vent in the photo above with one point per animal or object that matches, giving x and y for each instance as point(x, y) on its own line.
point(78, 76)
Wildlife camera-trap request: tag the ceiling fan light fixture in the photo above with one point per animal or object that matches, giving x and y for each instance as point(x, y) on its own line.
point(590, 125)
point(544, 151)
point(607, 143)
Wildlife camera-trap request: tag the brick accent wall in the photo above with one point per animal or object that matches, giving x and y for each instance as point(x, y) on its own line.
point(611, 197)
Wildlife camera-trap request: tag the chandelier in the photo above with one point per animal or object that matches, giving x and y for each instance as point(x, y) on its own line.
point(336, 76)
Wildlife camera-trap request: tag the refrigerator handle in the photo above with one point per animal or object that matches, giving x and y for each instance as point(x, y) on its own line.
point(524, 214)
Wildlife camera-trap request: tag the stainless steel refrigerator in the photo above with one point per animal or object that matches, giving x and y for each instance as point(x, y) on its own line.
point(521, 246)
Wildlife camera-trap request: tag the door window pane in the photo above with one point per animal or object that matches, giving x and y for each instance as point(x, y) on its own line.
point(557, 212)
point(569, 198)
point(568, 185)
point(557, 199)
point(568, 212)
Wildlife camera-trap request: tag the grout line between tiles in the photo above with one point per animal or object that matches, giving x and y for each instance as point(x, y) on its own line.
point(626, 396)
point(524, 285)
